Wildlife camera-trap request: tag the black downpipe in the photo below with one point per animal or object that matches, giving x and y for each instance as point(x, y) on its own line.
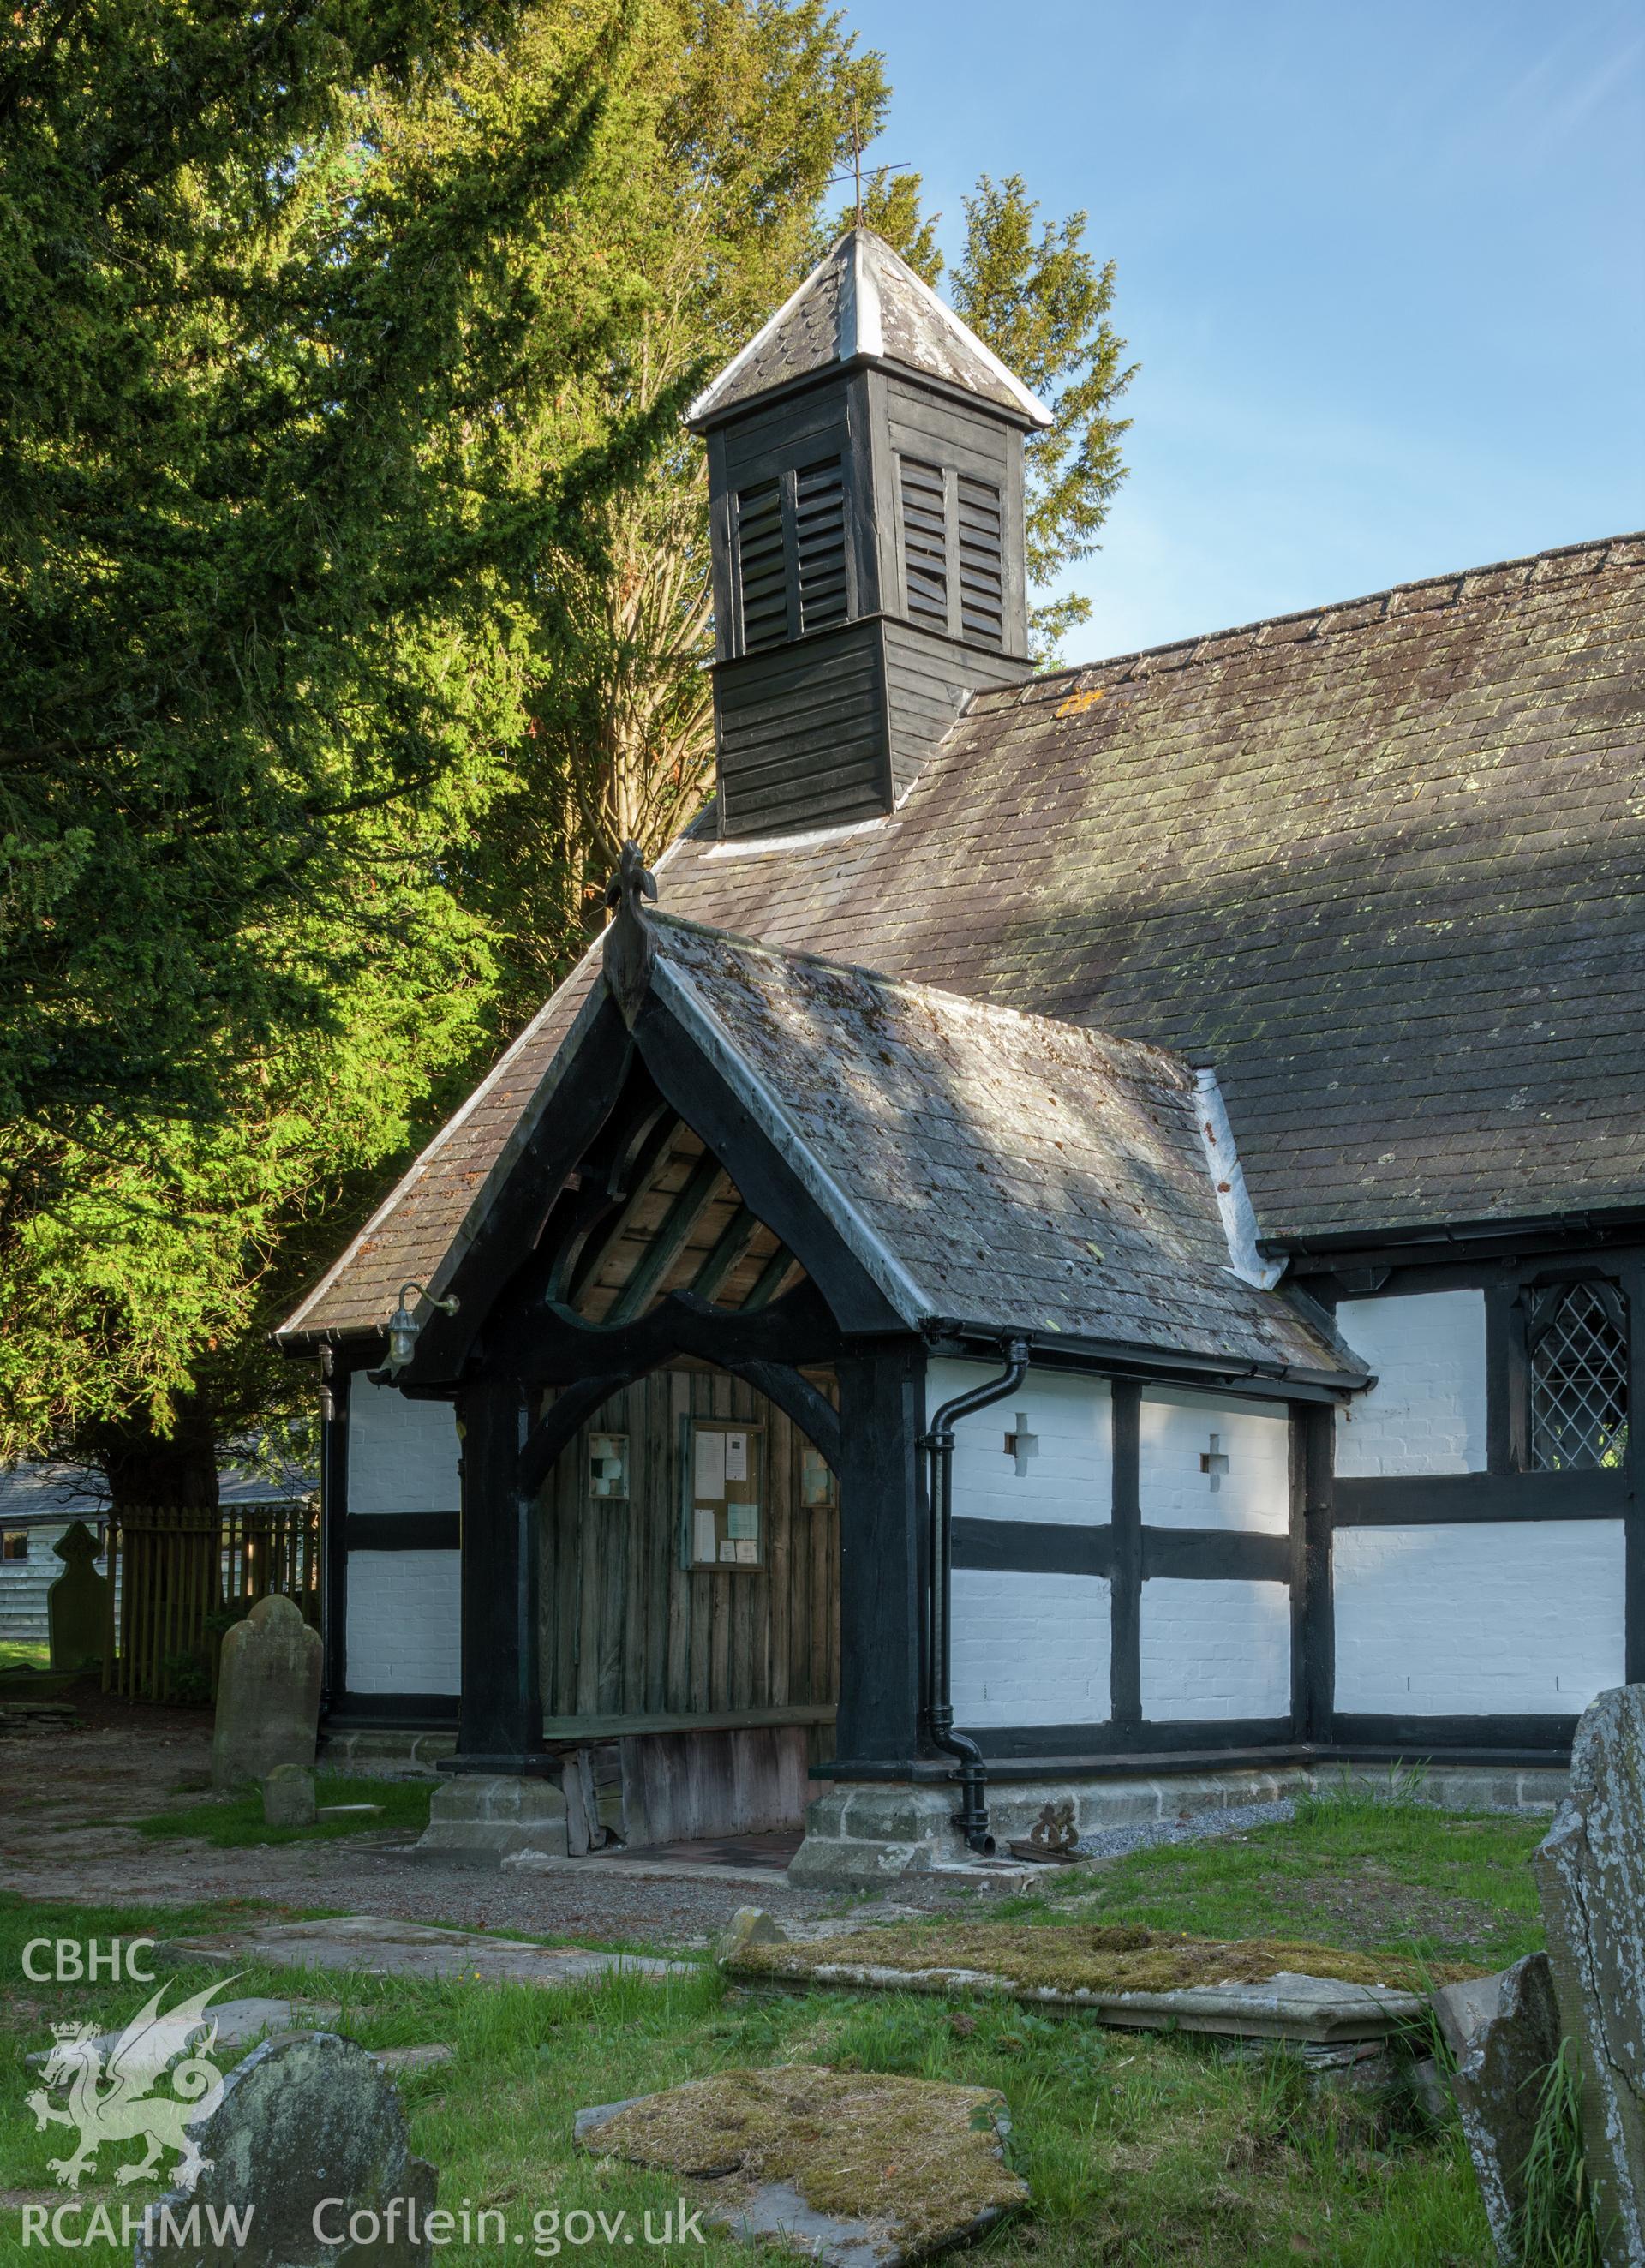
point(971, 1818)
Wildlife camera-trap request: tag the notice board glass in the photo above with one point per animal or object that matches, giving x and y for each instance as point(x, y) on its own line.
point(722, 1475)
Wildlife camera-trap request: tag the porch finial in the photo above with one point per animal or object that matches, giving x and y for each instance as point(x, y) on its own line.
point(630, 943)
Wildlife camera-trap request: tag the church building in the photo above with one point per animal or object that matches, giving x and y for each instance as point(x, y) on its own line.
point(1079, 1232)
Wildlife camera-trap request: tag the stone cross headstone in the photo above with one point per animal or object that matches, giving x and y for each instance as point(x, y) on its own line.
point(308, 2152)
point(77, 1604)
point(269, 1683)
point(1590, 1875)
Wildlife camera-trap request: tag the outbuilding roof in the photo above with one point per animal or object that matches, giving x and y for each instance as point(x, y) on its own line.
point(1381, 864)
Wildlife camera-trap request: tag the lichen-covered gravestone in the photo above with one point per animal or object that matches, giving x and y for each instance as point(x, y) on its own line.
point(288, 1797)
point(269, 1683)
point(77, 1604)
point(307, 2152)
point(1591, 1873)
point(1504, 2032)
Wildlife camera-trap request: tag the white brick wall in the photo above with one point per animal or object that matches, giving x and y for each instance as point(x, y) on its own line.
point(1029, 1649)
point(1426, 1413)
point(404, 1627)
point(1254, 1495)
point(1069, 1476)
point(1215, 1649)
point(402, 1455)
point(1482, 1617)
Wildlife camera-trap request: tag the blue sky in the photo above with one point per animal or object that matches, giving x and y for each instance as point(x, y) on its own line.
point(1383, 266)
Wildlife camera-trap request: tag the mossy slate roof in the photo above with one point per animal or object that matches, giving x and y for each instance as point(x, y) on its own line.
point(1380, 864)
point(999, 1169)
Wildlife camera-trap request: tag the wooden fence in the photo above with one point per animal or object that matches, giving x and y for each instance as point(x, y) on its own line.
point(178, 1580)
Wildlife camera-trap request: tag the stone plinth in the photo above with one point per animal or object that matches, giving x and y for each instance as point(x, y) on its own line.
point(479, 1819)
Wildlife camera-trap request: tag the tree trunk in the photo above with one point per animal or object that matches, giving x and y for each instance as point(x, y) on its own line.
point(145, 1469)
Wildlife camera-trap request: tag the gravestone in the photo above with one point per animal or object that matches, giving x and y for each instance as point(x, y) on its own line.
point(288, 1797)
point(268, 1684)
point(77, 1604)
point(1590, 1875)
point(310, 2137)
point(1504, 2032)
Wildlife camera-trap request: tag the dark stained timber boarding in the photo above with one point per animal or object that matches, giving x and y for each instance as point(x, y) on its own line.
point(1445, 1500)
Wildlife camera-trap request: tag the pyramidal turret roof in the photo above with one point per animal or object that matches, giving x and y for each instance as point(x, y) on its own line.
point(863, 302)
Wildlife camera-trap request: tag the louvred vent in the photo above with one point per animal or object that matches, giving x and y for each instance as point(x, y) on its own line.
point(924, 542)
point(819, 541)
point(981, 570)
point(761, 574)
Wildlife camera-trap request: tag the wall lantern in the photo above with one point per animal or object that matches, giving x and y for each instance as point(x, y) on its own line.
point(403, 1326)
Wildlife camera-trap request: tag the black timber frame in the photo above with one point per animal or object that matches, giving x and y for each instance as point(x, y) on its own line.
point(343, 1533)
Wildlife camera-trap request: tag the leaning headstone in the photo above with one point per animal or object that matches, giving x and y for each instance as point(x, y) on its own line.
point(77, 1604)
point(1591, 1873)
point(288, 1797)
point(268, 1684)
point(1504, 2032)
point(306, 2163)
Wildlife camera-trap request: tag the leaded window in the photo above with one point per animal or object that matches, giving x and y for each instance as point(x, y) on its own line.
point(1577, 1343)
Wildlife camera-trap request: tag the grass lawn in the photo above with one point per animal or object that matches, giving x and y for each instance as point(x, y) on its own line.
point(234, 1823)
point(24, 1653)
point(1157, 2151)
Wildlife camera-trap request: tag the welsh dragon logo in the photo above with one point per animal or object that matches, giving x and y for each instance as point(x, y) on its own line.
point(112, 2101)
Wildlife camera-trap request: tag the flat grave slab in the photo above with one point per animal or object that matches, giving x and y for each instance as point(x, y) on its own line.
point(1120, 1976)
point(367, 1946)
point(851, 2170)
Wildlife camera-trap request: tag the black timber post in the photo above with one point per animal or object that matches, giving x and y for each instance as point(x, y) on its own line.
point(500, 1720)
point(882, 1550)
point(1313, 1615)
point(1125, 1667)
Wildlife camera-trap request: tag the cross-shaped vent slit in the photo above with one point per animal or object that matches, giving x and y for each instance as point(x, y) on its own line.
point(1022, 1444)
point(1213, 1460)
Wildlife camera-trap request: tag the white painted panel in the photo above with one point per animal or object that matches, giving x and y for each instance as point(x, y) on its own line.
point(1029, 1649)
point(1253, 1494)
point(1070, 1472)
point(1478, 1618)
point(1215, 1649)
point(404, 1627)
point(1426, 1413)
point(402, 1455)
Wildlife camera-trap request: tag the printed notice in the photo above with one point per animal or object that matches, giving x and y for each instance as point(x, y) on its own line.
point(742, 1522)
point(736, 1457)
point(704, 1537)
point(711, 1478)
point(748, 1553)
point(728, 1552)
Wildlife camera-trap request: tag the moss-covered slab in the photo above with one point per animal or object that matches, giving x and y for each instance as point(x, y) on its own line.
point(1256, 1988)
point(850, 2168)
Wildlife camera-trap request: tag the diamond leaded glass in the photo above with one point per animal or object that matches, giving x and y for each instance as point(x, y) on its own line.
point(1579, 1384)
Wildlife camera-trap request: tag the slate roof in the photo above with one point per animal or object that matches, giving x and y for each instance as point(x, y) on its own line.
point(1000, 1170)
point(862, 299)
point(1380, 863)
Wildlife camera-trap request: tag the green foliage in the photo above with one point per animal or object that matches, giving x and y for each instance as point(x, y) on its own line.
point(1032, 292)
point(1557, 2227)
point(274, 495)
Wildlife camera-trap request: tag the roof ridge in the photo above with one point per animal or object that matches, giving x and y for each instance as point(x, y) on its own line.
point(1606, 551)
point(911, 987)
